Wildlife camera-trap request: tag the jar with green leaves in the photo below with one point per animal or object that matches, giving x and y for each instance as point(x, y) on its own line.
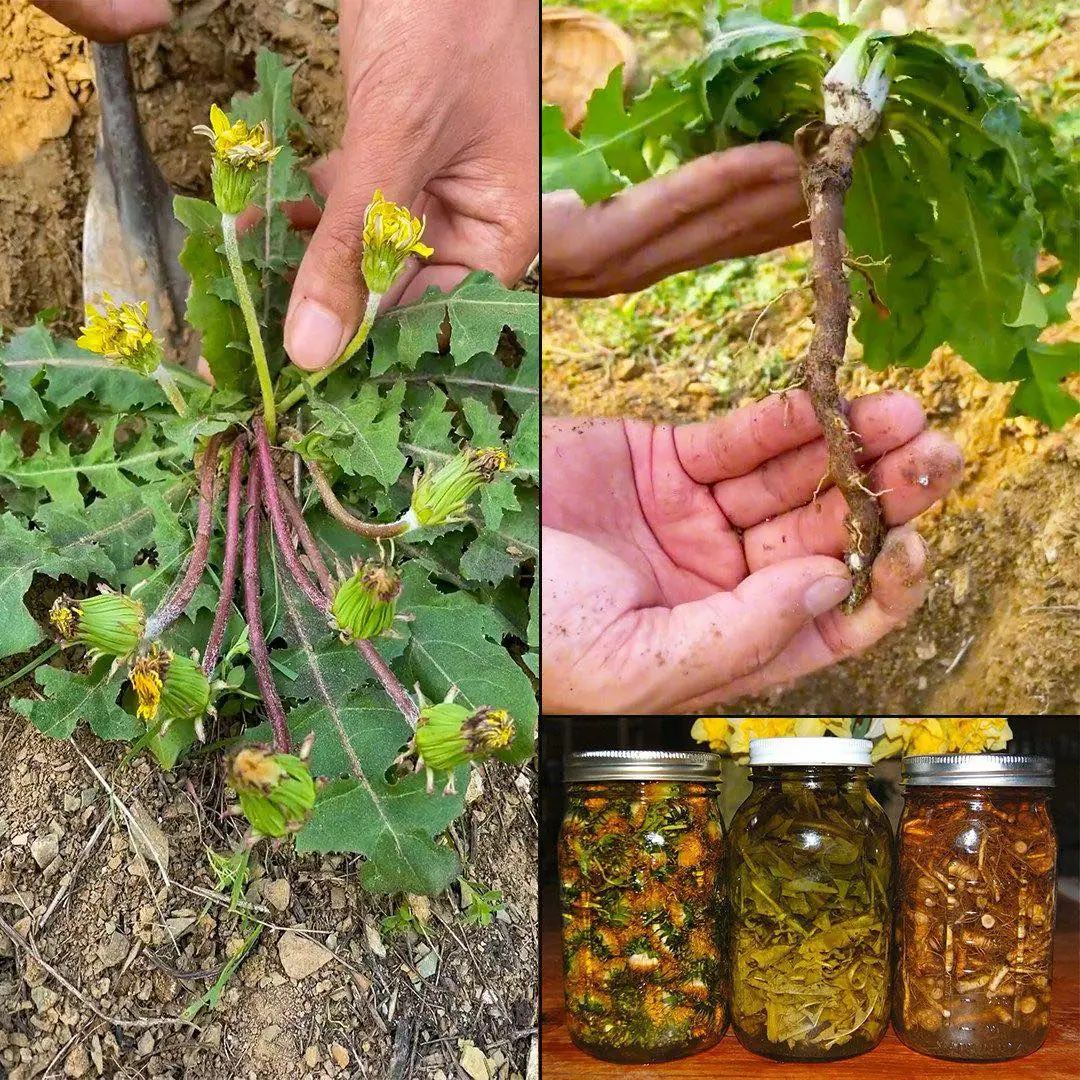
point(809, 879)
point(641, 874)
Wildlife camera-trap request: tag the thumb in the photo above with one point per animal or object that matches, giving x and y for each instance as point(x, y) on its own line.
point(711, 642)
point(329, 294)
point(109, 20)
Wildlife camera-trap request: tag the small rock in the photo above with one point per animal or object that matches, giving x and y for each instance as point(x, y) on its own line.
point(115, 950)
point(374, 941)
point(474, 1062)
point(312, 1057)
point(145, 1044)
point(72, 805)
point(45, 849)
point(420, 906)
point(277, 893)
point(300, 956)
point(77, 1064)
point(43, 998)
point(148, 840)
point(625, 370)
point(340, 1055)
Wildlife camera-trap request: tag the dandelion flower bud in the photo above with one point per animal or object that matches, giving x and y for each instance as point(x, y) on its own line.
point(441, 494)
point(121, 332)
point(391, 235)
point(239, 151)
point(448, 735)
point(109, 624)
point(276, 791)
point(364, 604)
point(168, 685)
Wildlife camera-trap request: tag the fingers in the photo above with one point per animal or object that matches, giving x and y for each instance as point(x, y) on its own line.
point(109, 20)
point(910, 479)
point(329, 294)
point(700, 647)
point(883, 422)
point(738, 201)
point(740, 441)
point(899, 586)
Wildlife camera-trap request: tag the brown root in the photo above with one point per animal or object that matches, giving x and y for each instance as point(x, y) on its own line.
point(826, 155)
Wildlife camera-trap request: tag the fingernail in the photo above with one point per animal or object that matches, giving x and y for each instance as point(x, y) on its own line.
point(825, 594)
point(313, 336)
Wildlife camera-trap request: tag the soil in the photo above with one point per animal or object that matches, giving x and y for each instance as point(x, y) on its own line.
point(1000, 630)
point(447, 1000)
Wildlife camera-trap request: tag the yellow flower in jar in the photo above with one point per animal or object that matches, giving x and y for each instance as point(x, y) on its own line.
point(908, 735)
point(733, 736)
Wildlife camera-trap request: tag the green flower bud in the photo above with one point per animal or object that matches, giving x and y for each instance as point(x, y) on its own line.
point(170, 685)
point(109, 624)
point(364, 604)
point(441, 494)
point(276, 791)
point(448, 735)
point(232, 187)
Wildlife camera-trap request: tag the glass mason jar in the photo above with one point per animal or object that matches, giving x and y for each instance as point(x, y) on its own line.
point(641, 858)
point(809, 878)
point(975, 913)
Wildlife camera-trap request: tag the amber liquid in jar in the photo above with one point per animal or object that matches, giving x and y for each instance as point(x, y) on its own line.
point(811, 915)
point(641, 883)
point(977, 880)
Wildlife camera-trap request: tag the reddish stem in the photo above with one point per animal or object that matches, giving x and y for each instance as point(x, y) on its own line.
point(260, 655)
point(232, 557)
point(372, 530)
point(390, 682)
point(170, 609)
point(272, 501)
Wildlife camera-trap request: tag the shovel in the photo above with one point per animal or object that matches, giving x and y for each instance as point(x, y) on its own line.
point(131, 241)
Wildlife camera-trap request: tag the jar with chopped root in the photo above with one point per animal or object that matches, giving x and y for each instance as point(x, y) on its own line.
point(975, 901)
point(641, 857)
point(810, 871)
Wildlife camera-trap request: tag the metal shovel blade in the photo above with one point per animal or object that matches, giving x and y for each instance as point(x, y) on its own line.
point(131, 241)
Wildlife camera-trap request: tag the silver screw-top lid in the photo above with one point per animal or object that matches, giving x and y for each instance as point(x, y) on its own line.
point(977, 770)
point(589, 765)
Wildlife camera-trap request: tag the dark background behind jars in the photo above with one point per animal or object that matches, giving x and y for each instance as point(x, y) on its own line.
point(1056, 737)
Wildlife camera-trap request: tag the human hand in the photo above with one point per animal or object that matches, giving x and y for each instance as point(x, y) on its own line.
point(458, 144)
point(737, 202)
point(687, 565)
point(109, 20)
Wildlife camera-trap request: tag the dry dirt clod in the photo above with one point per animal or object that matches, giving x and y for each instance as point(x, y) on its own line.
point(340, 1055)
point(45, 849)
point(277, 893)
point(115, 950)
point(474, 1062)
point(77, 1064)
point(300, 956)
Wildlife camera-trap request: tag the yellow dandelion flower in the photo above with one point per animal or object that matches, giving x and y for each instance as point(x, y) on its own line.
point(122, 333)
point(147, 680)
point(907, 735)
point(733, 736)
point(239, 151)
point(391, 235)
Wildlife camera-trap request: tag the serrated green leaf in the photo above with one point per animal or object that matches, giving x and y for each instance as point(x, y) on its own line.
point(71, 698)
point(362, 433)
point(1041, 369)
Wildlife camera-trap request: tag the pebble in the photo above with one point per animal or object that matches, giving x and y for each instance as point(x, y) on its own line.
point(311, 1057)
point(300, 956)
point(115, 950)
point(474, 1062)
point(277, 893)
point(340, 1055)
point(77, 1064)
point(43, 998)
point(145, 1044)
point(45, 849)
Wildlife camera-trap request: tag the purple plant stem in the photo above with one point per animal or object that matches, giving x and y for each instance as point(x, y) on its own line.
point(272, 500)
point(170, 609)
point(260, 655)
point(390, 682)
point(232, 557)
point(338, 512)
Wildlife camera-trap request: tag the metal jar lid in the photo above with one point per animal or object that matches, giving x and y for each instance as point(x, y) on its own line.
point(641, 765)
point(977, 770)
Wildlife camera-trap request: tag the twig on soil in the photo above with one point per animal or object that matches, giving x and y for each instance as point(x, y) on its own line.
point(350, 520)
point(171, 608)
point(260, 655)
point(955, 662)
point(826, 155)
point(29, 947)
point(62, 892)
point(232, 557)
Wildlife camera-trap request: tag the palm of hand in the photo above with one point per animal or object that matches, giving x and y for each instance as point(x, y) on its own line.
point(677, 560)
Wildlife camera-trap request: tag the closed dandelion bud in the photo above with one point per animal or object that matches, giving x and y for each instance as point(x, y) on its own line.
point(109, 624)
point(391, 235)
point(441, 495)
point(276, 791)
point(166, 685)
point(364, 604)
point(239, 152)
point(448, 735)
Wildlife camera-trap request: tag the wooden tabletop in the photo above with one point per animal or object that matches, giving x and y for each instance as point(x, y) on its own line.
point(1059, 1056)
